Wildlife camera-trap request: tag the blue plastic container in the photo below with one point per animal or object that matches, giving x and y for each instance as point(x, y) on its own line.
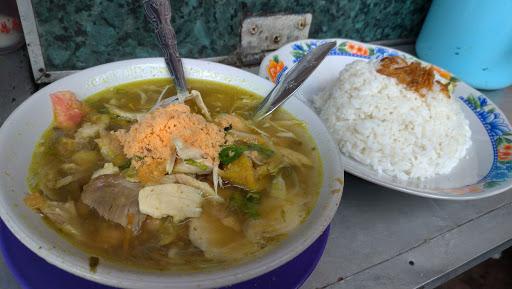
point(472, 39)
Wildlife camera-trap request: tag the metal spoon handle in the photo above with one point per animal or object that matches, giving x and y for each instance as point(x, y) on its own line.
point(292, 80)
point(158, 12)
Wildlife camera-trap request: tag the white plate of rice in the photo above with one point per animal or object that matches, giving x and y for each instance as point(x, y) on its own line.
point(451, 144)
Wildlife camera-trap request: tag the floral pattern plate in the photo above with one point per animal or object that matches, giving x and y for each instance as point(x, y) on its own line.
point(485, 170)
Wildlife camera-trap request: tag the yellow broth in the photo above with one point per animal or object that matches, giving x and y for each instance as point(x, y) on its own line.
point(111, 241)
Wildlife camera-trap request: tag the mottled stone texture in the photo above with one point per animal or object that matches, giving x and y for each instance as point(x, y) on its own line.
point(79, 34)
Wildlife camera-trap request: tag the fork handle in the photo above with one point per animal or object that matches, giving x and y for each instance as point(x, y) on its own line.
point(158, 13)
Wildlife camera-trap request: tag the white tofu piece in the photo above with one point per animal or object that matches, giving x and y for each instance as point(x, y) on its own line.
point(175, 200)
point(204, 187)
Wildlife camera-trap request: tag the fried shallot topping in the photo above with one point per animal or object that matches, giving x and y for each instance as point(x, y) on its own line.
point(413, 75)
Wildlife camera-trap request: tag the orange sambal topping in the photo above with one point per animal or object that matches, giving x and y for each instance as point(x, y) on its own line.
point(150, 140)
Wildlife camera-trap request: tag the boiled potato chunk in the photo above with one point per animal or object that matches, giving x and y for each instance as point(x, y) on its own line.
point(242, 173)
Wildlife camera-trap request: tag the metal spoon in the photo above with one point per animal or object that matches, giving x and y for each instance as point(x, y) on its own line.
point(158, 13)
point(292, 80)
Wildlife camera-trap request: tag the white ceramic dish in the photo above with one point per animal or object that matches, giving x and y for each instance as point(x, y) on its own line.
point(487, 168)
point(23, 128)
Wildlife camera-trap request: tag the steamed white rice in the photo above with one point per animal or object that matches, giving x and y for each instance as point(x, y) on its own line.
point(379, 122)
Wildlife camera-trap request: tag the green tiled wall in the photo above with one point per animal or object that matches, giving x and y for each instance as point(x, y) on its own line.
point(77, 34)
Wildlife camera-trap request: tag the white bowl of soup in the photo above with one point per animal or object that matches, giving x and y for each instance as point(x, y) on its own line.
point(98, 185)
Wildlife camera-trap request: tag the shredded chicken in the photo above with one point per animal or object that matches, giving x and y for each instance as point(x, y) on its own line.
point(198, 99)
point(108, 169)
point(175, 200)
point(192, 182)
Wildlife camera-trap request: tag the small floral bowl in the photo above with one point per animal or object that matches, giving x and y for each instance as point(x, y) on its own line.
point(487, 167)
